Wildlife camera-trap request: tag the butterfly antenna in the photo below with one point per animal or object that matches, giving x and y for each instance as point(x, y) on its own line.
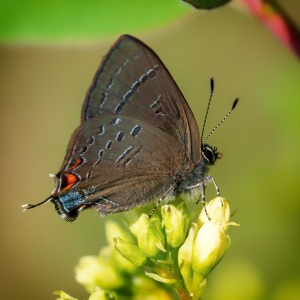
point(212, 86)
point(225, 117)
point(29, 206)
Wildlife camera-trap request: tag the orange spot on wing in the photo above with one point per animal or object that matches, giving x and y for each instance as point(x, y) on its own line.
point(69, 179)
point(77, 162)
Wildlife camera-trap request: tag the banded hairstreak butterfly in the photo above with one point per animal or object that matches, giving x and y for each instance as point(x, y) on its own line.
point(137, 141)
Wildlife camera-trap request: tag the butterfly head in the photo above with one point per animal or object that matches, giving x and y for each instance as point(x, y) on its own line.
point(210, 154)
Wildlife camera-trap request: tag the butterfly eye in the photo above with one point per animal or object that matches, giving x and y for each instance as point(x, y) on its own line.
point(209, 153)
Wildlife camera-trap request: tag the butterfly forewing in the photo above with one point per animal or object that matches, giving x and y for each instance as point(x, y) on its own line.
point(133, 81)
point(126, 84)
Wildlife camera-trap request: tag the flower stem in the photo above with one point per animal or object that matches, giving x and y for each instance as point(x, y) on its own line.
point(179, 286)
point(181, 290)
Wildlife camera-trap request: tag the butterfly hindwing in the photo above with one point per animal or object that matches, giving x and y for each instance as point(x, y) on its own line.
point(119, 162)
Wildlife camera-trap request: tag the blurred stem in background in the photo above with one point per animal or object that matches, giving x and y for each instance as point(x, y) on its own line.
point(274, 16)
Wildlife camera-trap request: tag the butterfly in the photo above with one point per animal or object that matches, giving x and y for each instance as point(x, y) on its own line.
point(137, 141)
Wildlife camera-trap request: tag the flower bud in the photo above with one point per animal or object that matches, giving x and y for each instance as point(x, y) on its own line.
point(63, 296)
point(185, 257)
point(115, 229)
point(218, 210)
point(150, 236)
point(210, 245)
point(131, 252)
point(176, 222)
point(93, 271)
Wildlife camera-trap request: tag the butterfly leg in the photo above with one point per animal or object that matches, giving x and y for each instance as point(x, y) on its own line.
point(161, 199)
point(217, 189)
point(203, 199)
point(207, 180)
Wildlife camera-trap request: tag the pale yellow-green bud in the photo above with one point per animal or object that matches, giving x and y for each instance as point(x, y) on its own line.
point(218, 210)
point(176, 222)
point(212, 241)
point(149, 234)
point(63, 296)
point(209, 247)
point(121, 264)
point(131, 252)
point(93, 271)
point(185, 257)
point(114, 229)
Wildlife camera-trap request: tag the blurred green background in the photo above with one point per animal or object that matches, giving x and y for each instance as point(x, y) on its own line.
point(42, 89)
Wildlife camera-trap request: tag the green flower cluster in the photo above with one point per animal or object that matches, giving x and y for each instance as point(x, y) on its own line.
point(157, 257)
